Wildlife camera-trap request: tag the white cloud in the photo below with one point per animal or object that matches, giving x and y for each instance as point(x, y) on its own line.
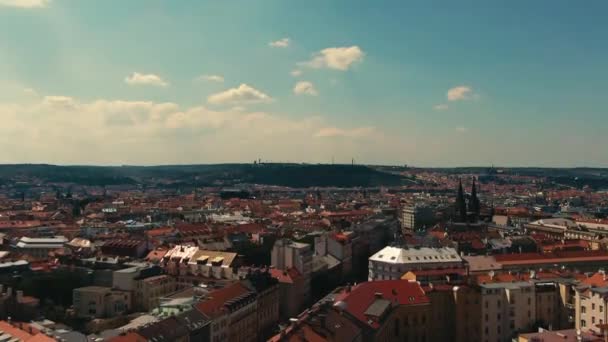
point(461, 129)
point(332, 132)
point(211, 78)
point(25, 3)
point(137, 78)
point(441, 106)
point(338, 58)
point(30, 91)
point(59, 102)
point(459, 93)
point(305, 88)
point(243, 94)
point(281, 43)
point(296, 72)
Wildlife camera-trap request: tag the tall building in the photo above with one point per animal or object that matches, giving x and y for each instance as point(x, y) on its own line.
point(288, 254)
point(416, 217)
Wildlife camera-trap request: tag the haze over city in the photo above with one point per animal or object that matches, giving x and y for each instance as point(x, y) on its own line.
point(429, 83)
point(303, 171)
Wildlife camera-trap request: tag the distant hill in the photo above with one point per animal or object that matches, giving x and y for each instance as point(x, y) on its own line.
point(291, 175)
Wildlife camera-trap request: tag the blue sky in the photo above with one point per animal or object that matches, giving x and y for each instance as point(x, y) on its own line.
point(429, 83)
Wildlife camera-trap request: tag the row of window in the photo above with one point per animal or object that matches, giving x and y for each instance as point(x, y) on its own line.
point(584, 308)
point(584, 322)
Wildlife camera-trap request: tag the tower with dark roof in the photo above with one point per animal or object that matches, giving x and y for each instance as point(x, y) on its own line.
point(461, 204)
point(474, 205)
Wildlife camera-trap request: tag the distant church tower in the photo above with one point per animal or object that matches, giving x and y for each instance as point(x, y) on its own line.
point(474, 205)
point(461, 204)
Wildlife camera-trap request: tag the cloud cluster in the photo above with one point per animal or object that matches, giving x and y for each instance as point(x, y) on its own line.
point(281, 43)
point(305, 88)
point(459, 93)
point(25, 3)
point(243, 94)
point(211, 78)
point(137, 78)
point(337, 58)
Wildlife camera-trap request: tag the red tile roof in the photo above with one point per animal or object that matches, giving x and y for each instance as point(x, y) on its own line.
point(23, 335)
point(215, 303)
point(363, 295)
point(597, 280)
point(287, 276)
point(130, 337)
point(159, 232)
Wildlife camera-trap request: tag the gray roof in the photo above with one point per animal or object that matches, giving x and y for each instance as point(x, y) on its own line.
point(378, 308)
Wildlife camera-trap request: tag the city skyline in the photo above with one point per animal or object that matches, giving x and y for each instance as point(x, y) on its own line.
point(424, 83)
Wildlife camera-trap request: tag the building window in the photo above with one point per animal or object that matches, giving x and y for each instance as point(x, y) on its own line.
point(583, 323)
point(486, 304)
point(592, 306)
point(601, 308)
point(498, 303)
point(512, 325)
point(498, 329)
point(487, 317)
point(583, 309)
point(529, 314)
point(530, 300)
point(486, 329)
point(498, 317)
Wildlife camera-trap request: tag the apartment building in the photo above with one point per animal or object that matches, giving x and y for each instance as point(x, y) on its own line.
point(416, 217)
point(392, 262)
point(149, 291)
point(591, 303)
point(213, 264)
point(100, 302)
point(288, 254)
point(233, 314)
point(38, 247)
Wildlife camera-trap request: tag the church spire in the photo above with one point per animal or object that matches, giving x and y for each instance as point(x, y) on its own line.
point(461, 205)
point(474, 206)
